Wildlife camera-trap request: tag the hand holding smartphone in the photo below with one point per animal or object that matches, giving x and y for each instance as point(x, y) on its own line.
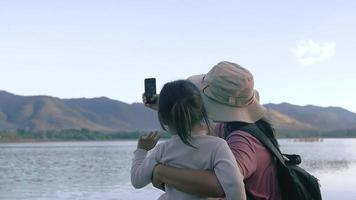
point(150, 96)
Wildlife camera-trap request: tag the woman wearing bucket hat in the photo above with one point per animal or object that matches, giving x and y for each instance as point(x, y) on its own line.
point(231, 101)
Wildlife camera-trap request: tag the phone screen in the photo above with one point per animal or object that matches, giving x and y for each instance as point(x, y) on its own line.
point(150, 89)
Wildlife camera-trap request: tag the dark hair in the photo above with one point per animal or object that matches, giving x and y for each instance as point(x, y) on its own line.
point(263, 124)
point(180, 107)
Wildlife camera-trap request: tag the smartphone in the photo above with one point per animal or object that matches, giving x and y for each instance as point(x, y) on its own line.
point(150, 90)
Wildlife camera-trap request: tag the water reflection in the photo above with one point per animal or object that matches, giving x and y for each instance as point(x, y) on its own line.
point(100, 170)
point(330, 155)
point(327, 166)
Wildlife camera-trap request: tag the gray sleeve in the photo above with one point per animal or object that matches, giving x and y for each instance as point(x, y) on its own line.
point(228, 173)
point(142, 167)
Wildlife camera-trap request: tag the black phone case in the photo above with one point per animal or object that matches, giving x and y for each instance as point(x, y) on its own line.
point(150, 89)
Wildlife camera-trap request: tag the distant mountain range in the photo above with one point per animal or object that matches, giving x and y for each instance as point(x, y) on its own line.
point(104, 114)
point(49, 113)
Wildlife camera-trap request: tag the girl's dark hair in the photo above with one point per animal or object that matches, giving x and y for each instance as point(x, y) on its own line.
point(180, 107)
point(263, 124)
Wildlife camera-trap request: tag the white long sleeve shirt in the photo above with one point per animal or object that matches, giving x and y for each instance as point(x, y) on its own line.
point(212, 154)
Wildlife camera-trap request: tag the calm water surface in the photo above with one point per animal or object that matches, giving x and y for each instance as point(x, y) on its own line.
point(100, 170)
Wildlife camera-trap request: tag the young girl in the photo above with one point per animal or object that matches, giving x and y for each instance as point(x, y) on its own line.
point(181, 112)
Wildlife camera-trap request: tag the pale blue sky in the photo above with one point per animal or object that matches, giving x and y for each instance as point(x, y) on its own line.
point(301, 52)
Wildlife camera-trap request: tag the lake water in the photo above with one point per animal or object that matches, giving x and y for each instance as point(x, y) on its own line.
point(100, 170)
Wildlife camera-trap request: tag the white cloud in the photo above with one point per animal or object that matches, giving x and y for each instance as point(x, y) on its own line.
point(309, 52)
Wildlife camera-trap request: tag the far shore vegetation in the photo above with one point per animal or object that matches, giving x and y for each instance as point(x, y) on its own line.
point(89, 135)
point(70, 135)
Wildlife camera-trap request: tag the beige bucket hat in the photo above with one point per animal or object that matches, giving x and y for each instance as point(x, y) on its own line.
point(228, 93)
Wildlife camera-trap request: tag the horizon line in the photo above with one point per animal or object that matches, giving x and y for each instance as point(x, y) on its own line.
point(106, 97)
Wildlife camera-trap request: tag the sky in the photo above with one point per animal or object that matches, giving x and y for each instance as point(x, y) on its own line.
point(300, 52)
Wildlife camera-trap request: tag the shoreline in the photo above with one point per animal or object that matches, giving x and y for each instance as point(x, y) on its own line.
point(29, 141)
point(50, 141)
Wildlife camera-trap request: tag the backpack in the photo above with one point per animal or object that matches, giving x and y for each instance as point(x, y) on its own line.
point(295, 183)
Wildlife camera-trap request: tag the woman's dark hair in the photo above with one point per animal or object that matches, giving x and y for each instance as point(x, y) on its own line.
point(263, 124)
point(180, 107)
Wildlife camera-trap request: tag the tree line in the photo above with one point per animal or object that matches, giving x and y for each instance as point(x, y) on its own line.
point(87, 135)
point(71, 135)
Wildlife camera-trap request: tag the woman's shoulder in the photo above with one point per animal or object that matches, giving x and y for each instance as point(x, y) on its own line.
point(242, 134)
point(238, 137)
